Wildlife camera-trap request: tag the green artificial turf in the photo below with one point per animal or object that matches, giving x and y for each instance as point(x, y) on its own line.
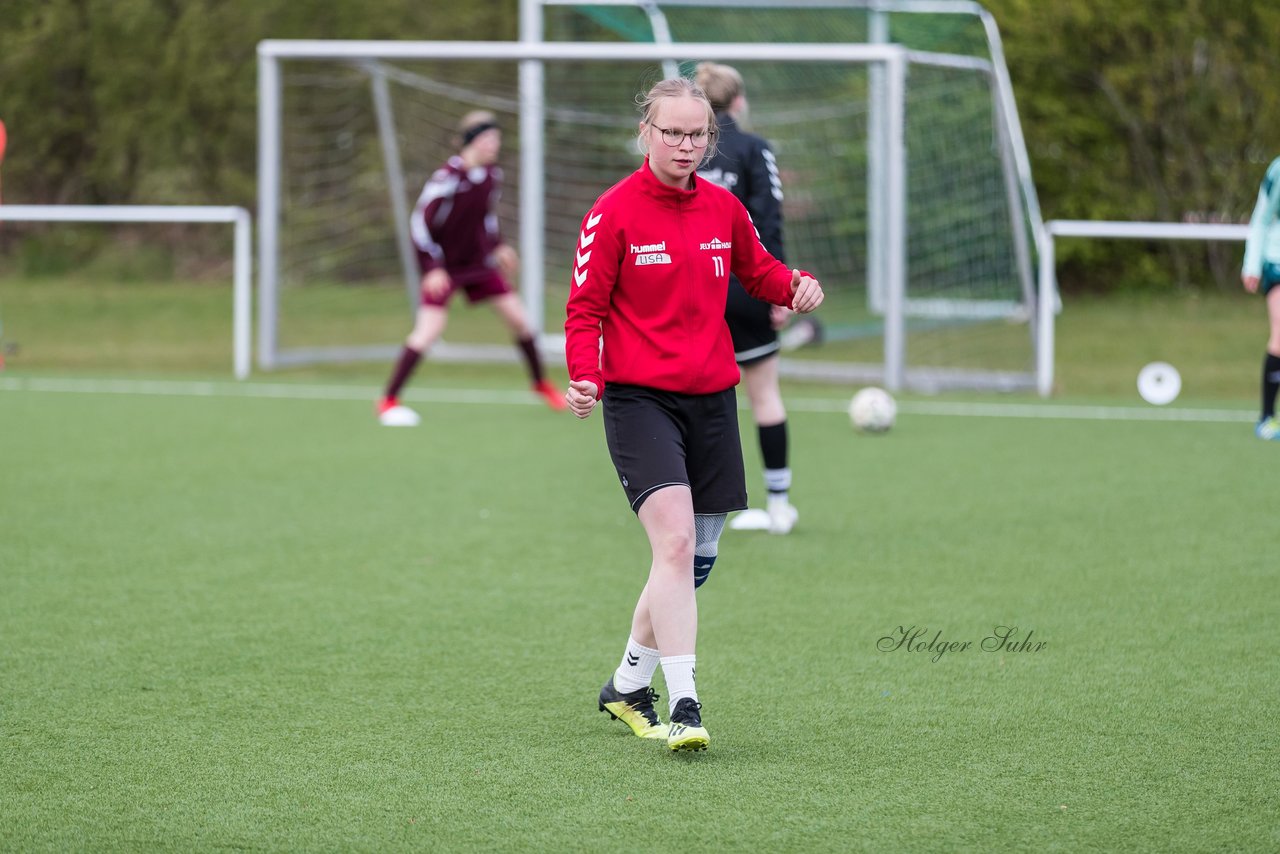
point(265, 623)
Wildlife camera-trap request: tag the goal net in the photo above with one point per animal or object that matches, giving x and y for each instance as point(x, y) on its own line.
point(360, 126)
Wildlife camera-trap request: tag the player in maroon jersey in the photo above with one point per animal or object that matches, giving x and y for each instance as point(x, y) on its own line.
point(455, 230)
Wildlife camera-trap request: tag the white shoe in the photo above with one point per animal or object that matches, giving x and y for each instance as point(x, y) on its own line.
point(782, 516)
point(754, 519)
point(400, 416)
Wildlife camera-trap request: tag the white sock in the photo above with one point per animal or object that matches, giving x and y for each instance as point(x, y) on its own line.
point(777, 481)
point(678, 672)
point(637, 667)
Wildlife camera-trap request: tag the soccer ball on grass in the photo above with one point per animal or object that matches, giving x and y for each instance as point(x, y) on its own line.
point(872, 410)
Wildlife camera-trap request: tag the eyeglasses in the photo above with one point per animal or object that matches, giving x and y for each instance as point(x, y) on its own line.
point(673, 137)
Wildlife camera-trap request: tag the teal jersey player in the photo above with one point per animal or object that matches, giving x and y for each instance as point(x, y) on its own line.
point(1261, 272)
point(1262, 250)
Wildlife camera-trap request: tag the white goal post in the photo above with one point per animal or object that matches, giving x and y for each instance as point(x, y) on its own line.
point(874, 255)
point(242, 293)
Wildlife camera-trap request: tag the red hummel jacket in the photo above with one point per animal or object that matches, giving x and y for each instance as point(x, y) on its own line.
point(652, 274)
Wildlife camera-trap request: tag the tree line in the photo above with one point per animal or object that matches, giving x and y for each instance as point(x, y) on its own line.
point(1165, 110)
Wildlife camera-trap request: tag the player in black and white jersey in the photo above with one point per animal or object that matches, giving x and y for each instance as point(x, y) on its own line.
point(744, 164)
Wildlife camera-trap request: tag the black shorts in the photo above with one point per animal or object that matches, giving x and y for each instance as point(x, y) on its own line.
point(754, 337)
point(661, 438)
point(1270, 277)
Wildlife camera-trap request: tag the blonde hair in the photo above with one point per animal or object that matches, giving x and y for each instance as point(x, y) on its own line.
point(672, 87)
point(721, 83)
point(474, 119)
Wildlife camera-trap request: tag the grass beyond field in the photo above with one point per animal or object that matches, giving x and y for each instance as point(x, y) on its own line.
point(259, 621)
point(80, 325)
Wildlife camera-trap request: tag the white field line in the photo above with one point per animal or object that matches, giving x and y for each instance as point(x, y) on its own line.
point(277, 391)
point(286, 391)
point(1060, 411)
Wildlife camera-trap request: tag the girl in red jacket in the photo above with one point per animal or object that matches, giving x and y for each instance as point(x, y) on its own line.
point(651, 277)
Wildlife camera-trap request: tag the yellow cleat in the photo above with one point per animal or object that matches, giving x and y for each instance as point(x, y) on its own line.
point(686, 731)
point(634, 709)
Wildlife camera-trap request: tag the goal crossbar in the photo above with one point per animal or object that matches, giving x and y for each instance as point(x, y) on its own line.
point(581, 51)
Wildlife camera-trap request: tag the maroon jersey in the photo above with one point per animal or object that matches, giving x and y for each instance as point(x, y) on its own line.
point(454, 224)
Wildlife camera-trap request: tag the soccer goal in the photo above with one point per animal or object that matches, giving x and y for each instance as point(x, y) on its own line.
point(905, 191)
point(1105, 230)
point(103, 279)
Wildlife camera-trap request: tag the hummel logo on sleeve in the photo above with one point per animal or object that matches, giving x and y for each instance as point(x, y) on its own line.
point(585, 239)
point(775, 182)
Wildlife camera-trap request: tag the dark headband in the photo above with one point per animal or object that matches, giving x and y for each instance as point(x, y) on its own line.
point(474, 131)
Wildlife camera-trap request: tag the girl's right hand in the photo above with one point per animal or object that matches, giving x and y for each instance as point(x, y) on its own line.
point(581, 397)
